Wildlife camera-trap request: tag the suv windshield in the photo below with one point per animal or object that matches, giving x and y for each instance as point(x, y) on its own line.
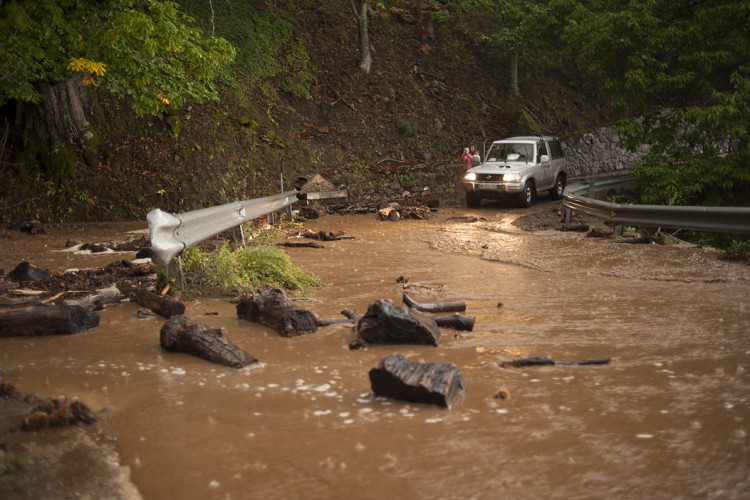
point(511, 152)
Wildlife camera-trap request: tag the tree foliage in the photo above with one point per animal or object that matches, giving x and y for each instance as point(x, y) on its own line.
point(145, 51)
point(683, 68)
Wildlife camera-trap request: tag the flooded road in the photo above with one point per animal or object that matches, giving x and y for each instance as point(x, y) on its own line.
point(668, 418)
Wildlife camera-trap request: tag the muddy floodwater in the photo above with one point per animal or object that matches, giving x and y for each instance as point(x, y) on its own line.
point(668, 418)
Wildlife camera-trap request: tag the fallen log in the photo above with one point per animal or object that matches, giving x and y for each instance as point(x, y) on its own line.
point(300, 244)
point(39, 319)
point(522, 362)
point(434, 306)
point(351, 317)
point(396, 377)
point(163, 306)
point(181, 334)
point(271, 307)
point(323, 236)
point(385, 323)
point(455, 321)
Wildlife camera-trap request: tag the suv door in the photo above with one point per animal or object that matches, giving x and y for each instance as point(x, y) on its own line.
point(545, 168)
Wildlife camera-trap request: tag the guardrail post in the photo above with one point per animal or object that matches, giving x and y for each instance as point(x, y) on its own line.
point(568, 215)
point(592, 188)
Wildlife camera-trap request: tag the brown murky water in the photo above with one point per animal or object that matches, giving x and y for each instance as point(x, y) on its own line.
point(668, 418)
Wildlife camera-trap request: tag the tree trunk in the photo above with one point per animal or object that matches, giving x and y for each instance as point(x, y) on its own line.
point(61, 117)
point(45, 320)
point(430, 383)
point(514, 75)
point(385, 323)
point(360, 11)
point(271, 307)
point(181, 334)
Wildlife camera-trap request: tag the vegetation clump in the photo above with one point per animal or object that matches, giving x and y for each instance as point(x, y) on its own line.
point(228, 271)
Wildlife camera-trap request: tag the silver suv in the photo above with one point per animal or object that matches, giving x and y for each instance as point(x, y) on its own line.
point(519, 167)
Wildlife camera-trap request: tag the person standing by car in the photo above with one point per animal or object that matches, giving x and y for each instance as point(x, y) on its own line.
point(468, 159)
point(476, 160)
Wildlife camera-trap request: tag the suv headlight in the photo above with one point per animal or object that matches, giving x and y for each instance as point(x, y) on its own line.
point(515, 177)
point(471, 176)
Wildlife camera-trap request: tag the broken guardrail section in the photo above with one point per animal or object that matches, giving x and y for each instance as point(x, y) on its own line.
point(171, 234)
point(581, 196)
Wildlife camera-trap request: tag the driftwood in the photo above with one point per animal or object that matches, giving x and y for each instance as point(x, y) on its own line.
point(434, 306)
point(385, 323)
point(181, 334)
point(521, 362)
point(455, 321)
point(431, 383)
point(300, 244)
point(643, 240)
point(351, 317)
point(323, 236)
point(272, 307)
point(163, 306)
point(38, 319)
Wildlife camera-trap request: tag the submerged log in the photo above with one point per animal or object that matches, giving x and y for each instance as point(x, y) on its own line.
point(455, 321)
point(45, 320)
point(272, 307)
point(430, 383)
point(300, 244)
point(434, 306)
point(385, 323)
point(181, 334)
point(163, 306)
point(521, 362)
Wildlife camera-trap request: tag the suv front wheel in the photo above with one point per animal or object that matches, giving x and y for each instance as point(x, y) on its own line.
point(526, 196)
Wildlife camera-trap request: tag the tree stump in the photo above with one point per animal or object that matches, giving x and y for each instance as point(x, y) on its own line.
point(45, 320)
point(396, 377)
point(271, 307)
point(385, 323)
point(181, 334)
point(163, 306)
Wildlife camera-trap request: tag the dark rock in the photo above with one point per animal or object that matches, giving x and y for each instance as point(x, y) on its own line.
point(430, 383)
point(385, 323)
point(26, 271)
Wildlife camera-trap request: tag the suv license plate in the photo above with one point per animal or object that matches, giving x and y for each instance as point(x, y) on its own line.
point(485, 185)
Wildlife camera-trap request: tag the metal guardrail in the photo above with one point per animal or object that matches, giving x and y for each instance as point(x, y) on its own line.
point(171, 234)
point(581, 196)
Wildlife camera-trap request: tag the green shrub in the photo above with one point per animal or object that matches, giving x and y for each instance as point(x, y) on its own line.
point(240, 271)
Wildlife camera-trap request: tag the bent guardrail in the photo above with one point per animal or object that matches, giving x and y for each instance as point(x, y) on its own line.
point(171, 234)
point(581, 196)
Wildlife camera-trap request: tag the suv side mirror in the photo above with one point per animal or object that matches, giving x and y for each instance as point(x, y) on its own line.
point(544, 159)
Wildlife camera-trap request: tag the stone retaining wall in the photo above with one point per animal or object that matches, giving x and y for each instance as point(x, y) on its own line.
point(597, 153)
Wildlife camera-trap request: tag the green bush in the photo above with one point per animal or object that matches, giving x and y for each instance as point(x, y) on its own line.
point(240, 271)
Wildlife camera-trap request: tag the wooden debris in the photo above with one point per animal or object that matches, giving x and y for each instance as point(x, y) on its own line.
point(522, 362)
point(435, 306)
point(430, 383)
point(325, 236)
point(163, 306)
point(181, 334)
point(300, 244)
point(272, 307)
point(385, 323)
point(455, 321)
point(37, 319)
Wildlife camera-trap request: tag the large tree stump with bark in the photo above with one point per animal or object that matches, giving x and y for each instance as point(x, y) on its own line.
point(40, 319)
point(181, 334)
point(385, 323)
point(430, 383)
point(271, 307)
